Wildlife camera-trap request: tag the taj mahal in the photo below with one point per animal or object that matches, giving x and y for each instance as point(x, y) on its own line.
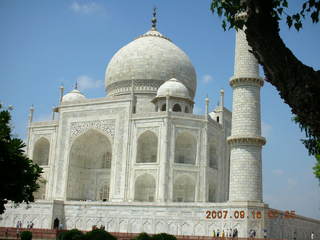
point(140, 159)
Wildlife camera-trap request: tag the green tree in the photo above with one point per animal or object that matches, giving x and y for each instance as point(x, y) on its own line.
point(99, 234)
point(18, 175)
point(73, 234)
point(143, 236)
point(297, 83)
point(316, 168)
point(26, 235)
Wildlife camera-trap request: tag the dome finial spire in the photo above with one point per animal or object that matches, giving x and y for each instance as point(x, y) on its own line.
point(154, 19)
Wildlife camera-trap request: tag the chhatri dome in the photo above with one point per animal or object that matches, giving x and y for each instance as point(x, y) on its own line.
point(173, 88)
point(74, 96)
point(149, 61)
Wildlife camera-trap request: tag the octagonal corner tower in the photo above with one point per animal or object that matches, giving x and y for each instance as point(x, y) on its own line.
point(147, 62)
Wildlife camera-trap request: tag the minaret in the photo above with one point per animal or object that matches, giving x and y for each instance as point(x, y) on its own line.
point(245, 140)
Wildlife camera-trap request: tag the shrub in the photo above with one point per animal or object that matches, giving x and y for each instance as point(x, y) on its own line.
point(73, 234)
point(163, 236)
point(26, 235)
point(99, 234)
point(142, 236)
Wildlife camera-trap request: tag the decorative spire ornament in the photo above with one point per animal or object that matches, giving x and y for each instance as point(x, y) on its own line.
point(61, 91)
point(53, 112)
point(154, 19)
point(207, 107)
point(31, 111)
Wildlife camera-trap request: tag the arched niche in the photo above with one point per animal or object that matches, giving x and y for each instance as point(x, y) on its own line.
point(41, 151)
point(164, 107)
point(186, 109)
point(147, 150)
point(103, 191)
point(145, 188)
point(41, 192)
point(211, 193)
point(90, 159)
point(185, 149)
point(177, 108)
point(184, 189)
point(213, 157)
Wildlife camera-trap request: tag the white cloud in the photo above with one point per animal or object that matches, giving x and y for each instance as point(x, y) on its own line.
point(278, 172)
point(86, 8)
point(291, 183)
point(207, 78)
point(266, 129)
point(86, 82)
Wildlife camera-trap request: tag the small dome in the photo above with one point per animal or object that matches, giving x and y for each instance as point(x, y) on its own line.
point(74, 96)
point(173, 88)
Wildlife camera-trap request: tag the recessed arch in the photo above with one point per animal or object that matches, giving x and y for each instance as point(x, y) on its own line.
point(177, 108)
point(164, 107)
point(103, 191)
point(185, 148)
point(41, 192)
point(186, 109)
point(145, 188)
point(213, 158)
point(90, 159)
point(184, 189)
point(147, 149)
point(211, 193)
point(41, 151)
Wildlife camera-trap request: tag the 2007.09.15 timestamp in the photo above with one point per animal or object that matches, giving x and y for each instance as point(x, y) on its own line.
point(235, 214)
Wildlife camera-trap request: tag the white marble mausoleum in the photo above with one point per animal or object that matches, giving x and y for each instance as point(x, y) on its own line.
point(139, 159)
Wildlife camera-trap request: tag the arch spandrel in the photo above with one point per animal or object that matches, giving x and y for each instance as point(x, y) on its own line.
point(105, 127)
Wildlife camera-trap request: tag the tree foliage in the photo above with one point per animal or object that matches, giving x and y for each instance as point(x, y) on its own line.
point(26, 235)
point(163, 236)
point(297, 83)
point(73, 234)
point(316, 168)
point(230, 8)
point(18, 175)
point(99, 234)
point(143, 236)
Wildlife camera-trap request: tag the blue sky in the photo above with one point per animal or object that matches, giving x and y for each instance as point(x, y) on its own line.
point(45, 43)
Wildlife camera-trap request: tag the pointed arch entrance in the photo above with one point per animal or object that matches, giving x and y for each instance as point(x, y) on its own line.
point(41, 152)
point(145, 188)
point(90, 160)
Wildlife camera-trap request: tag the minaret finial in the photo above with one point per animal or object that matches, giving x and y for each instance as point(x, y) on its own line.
point(154, 19)
point(76, 86)
point(31, 113)
point(61, 91)
point(207, 107)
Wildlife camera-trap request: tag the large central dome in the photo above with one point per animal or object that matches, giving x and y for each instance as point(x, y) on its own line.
point(148, 62)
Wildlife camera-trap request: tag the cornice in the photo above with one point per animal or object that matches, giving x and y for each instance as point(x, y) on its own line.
point(246, 81)
point(245, 140)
